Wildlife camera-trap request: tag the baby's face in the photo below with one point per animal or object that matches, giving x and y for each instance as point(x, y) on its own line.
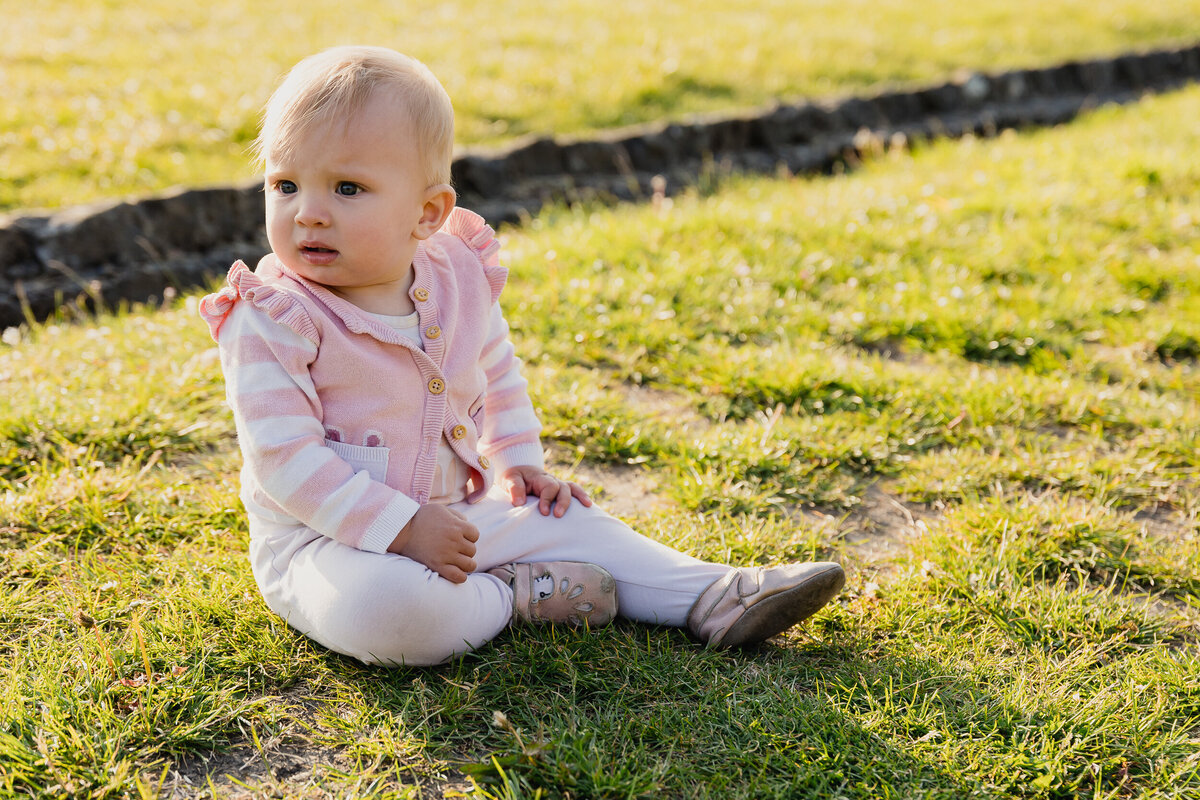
point(343, 207)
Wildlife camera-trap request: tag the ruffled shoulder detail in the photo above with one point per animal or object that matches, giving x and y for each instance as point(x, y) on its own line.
point(481, 239)
point(478, 235)
point(243, 284)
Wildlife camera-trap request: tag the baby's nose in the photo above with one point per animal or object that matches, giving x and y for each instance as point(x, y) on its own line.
point(311, 212)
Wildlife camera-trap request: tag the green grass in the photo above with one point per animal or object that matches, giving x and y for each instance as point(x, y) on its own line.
point(999, 335)
point(106, 99)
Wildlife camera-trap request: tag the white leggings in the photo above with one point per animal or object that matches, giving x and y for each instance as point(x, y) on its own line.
point(388, 609)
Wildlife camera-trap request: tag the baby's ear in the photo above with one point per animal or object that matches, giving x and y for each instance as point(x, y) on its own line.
point(439, 202)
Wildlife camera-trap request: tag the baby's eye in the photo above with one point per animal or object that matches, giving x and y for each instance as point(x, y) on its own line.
point(348, 189)
point(285, 187)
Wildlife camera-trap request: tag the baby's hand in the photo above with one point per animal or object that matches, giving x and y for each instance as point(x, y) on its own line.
point(550, 491)
point(441, 539)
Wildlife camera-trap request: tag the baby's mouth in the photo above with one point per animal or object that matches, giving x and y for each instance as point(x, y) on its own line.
point(318, 254)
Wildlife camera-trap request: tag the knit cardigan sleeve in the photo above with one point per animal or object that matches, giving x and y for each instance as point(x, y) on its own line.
point(266, 350)
point(511, 429)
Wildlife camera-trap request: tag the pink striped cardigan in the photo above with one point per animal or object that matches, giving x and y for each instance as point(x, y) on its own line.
point(339, 417)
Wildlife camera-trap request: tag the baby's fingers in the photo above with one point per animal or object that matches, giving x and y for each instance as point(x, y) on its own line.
point(452, 573)
point(547, 496)
point(466, 548)
point(563, 501)
point(516, 490)
point(580, 494)
point(457, 567)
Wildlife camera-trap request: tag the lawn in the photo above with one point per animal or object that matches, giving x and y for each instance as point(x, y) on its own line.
point(107, 99)
point(969, 373)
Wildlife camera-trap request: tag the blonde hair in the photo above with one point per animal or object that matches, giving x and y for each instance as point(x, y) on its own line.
point(337, 83)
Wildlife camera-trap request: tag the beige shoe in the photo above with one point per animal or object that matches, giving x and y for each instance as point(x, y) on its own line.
point(571, 592)
point(751, 604)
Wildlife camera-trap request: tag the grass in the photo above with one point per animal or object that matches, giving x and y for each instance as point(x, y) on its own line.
point(106, 99)
point(968, 373)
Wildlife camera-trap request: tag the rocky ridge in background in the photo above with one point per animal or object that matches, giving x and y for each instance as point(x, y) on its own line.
point(139, 250)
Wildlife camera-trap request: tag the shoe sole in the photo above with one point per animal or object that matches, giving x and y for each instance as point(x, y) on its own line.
point(777, 613)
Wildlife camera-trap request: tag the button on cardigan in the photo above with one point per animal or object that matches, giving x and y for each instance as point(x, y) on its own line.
point(339, 417)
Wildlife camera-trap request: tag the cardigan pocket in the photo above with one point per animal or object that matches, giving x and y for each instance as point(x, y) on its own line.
point(372, 459)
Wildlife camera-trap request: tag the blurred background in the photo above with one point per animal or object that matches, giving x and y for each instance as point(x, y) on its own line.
point(104, 98)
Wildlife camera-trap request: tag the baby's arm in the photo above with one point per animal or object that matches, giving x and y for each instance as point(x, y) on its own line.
point(511, 429)
point(278, 416)
point(276, 410)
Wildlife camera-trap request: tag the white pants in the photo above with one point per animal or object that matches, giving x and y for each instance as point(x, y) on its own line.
point(391, 610)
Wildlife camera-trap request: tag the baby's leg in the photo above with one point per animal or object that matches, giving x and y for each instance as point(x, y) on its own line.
point(379, 608)
point(654, 583)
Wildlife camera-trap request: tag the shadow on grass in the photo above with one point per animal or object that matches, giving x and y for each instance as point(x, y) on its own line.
point(636, 711)
point(632, 711)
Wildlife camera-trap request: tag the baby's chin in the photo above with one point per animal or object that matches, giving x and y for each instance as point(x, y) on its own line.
point(307, 271)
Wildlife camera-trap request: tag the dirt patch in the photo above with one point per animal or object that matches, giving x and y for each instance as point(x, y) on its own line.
point(894, 349)
point(294, 762)
point(661, 404)
point(279, 769)
point(631, 490)
point(877, 533)
point(1164, 521)
point(295, 767)
point(623, 491)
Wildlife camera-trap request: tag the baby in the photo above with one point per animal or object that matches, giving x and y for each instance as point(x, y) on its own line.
point(399, 510)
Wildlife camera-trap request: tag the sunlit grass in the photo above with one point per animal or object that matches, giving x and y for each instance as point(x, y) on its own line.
point(106, 99)
point(773, 354)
